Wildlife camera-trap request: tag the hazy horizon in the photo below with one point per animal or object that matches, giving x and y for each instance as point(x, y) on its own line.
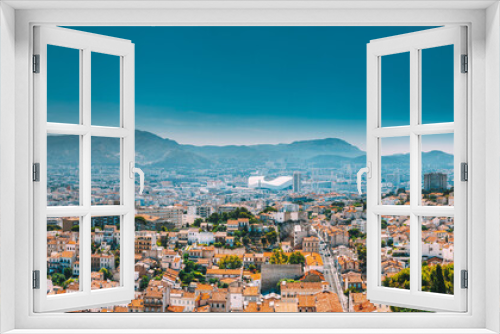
point(247, 85)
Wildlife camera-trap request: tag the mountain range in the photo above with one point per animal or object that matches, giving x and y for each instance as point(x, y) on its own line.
point(154, 151)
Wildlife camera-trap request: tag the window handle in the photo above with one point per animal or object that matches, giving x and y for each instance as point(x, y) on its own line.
point(363, 170)
point(133, 171)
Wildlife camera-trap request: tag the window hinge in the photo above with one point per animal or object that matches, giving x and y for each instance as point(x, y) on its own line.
point(36, 63)
point(36, 172)
point(36, 279)
point(465, 64)
point(465, 279)
point(464, 172)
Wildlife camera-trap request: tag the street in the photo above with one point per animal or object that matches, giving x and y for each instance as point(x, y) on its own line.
point(330, 272)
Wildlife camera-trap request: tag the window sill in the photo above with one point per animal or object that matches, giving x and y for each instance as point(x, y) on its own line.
point(248, 331)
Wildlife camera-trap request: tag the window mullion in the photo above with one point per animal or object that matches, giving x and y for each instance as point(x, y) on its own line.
point(86, 174)
point(414, 167)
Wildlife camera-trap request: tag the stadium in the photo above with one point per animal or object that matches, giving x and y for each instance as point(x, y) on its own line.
point(279, 183)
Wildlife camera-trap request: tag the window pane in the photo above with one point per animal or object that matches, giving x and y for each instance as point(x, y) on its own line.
point(63, 170)
point(395, 90)
point(437, 254)
point(395, 251)
point(105, 171)
point(63, 253)
point(105, 260)
point(63, 85)
point(105, 89)
point(437, 170)
point(395, 171)
point(437, 84)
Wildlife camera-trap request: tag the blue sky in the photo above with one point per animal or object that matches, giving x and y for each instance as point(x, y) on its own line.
point(248, 85)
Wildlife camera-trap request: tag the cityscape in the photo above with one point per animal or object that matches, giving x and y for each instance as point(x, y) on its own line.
point(249, 228)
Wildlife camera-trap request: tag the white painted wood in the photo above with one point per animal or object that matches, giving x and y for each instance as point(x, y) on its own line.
point(77, 129)
point(7, 165)
point(86, 43)
point(414, 43)
point(470, 322)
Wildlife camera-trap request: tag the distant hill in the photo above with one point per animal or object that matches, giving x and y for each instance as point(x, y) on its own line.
point(432, 160)
point(152, 150)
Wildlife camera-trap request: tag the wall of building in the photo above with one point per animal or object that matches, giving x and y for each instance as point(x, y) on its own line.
point(273, 273)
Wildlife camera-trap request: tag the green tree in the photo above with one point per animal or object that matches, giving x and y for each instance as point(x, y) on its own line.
point(270, 209)
point(75, 228)
point(383, 224)
point(352, 289)
point(67, 273)
point(437, 280)
point(197, 222)
point(296, 258)
point(361, 251)
point(288, 280)
point(144, 282)
point(400, 280)
point(230, 262)
point(192, 272)
point(403, 309)
point(355, 233)
point(272, 237)
point(278, 257)
point(58, 279)
point(107, 275)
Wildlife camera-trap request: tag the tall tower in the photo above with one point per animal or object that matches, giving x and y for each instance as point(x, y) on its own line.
point(297, 187)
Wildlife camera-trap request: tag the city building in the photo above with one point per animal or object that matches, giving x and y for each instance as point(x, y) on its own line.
point(435, 182)
point(297, 185)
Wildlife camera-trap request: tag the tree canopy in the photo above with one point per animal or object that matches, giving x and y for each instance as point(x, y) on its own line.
point(230, 262)
point(296, 258)
point(436, 278)
point(278, 257)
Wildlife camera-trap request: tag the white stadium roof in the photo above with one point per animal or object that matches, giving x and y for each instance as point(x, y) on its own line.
point(279, 183)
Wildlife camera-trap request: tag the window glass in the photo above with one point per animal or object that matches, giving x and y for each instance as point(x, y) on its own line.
point(63, 255)
point(250, 139)
point(395, 171)
point(63, 85)
point(437, 85)
point(437, 254)
point(105, 258)
point(395, 251)
point(63, 170)
point(105, 171)
point(105, 90)
point(395, 92)
point(437, 170)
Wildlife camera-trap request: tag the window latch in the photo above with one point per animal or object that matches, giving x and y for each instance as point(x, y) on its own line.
point(133, 170)
point(368, 171)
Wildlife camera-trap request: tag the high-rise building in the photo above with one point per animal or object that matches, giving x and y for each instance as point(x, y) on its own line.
point(297, 187)
point(435, 181)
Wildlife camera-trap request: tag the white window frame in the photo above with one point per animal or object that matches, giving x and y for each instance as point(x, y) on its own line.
point(17, 19)
point(85, 43)
point(414, 43)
